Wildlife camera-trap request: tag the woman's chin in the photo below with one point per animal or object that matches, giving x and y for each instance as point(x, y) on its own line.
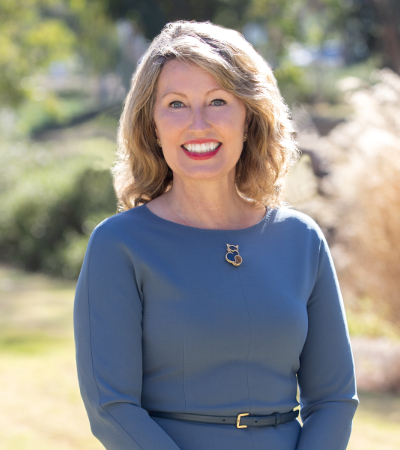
point(214, 168)
point(200, 172)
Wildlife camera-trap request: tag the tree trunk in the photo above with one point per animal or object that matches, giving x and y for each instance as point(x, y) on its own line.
point(388, 15)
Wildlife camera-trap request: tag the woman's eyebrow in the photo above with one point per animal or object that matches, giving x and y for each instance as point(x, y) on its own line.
point(184, 95)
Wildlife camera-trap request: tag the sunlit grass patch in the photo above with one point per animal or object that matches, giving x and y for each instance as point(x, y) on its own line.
point(29, 342)
point(377, 423)
point(364, 321)
point(41, 404)
point(35, 312)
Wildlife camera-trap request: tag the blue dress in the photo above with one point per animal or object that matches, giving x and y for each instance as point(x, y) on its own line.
point(163, 322)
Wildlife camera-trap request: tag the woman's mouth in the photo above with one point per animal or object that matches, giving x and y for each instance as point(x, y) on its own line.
point(201, 149)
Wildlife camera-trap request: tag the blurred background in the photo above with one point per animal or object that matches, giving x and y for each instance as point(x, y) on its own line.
point(65, 69)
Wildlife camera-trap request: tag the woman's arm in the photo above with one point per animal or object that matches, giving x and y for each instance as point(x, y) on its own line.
point(328, 395)
point(108, 339)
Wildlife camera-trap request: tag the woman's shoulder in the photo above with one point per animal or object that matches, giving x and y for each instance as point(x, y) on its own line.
point(125, 223)
point(296, 221)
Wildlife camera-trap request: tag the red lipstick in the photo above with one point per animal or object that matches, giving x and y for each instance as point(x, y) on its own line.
point(198, 155)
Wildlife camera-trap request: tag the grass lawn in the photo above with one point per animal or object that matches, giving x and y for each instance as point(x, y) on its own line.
point(41, 404)
point(376, 423)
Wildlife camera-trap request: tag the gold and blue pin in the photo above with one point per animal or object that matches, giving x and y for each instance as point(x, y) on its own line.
point(232, 255)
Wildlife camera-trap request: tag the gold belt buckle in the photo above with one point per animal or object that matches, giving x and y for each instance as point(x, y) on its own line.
point(238, 420)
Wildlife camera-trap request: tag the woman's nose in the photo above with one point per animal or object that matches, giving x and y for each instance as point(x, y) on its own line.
point(198, 120)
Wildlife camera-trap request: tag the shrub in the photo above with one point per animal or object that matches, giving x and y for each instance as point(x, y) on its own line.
point(49, 204)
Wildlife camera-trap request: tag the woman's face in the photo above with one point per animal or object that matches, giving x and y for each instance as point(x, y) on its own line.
point(200, 124)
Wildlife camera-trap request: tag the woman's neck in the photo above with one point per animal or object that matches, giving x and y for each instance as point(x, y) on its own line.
point(207, 204)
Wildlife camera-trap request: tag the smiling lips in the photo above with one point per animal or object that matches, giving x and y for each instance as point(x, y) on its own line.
point(201, 148)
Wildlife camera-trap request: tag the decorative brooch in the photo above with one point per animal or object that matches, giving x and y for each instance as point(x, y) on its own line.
point(232, 255)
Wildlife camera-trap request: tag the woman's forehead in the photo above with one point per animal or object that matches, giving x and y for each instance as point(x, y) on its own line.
point(181, 75)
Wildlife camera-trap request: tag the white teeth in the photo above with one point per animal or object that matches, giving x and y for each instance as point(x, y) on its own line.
point(202, 148)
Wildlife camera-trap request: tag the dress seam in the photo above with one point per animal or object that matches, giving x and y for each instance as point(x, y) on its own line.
point(248, 351)
point(316, 272)
point(184, 384)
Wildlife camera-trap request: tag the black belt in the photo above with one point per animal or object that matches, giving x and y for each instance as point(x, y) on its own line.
point(241, 420)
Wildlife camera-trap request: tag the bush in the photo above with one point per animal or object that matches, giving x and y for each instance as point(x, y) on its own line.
point(49, 205)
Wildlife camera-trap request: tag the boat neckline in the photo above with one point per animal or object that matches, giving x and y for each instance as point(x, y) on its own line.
point(179, 225)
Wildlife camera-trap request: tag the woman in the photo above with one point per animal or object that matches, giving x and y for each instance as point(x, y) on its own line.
point(202, 306)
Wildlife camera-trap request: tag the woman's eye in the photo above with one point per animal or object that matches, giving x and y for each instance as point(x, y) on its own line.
point(176, 104)
point(218, 102)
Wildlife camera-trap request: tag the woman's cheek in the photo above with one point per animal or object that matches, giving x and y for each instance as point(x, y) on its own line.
point(176, 120)
point(226, 119)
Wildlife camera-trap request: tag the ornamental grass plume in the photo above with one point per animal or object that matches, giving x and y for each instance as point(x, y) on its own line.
point(368, 182)
point(358, 204)
point(372, 237)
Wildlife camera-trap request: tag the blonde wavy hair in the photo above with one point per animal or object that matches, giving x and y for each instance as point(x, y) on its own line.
point(141, 172)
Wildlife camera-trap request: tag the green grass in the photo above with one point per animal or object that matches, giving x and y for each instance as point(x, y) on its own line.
point(28, 343)
point(40, 402)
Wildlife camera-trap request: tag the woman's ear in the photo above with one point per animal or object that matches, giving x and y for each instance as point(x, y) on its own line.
point(155, 130)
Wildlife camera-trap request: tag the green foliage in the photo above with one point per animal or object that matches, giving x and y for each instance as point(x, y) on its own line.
point(95, 32)
point(34, 33)
point(34, 115)
point(366, 322)
point(28, 41)
point(364, 27)
point(151, 15)
point(315, 84)
point(293, 83)
point(49, 204)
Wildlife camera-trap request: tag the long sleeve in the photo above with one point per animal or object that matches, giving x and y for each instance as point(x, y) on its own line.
point(326, 378)
point(108, 335)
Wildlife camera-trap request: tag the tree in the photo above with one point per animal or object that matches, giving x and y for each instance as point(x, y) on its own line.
point(152, 15)
point(28, 40)
point(387, 31)
point(34, 33)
